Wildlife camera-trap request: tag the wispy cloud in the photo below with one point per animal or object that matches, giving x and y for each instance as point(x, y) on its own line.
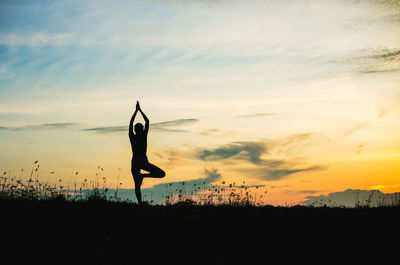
point(382, 113)
point(165, 126)
point(36, 39)
point(379, 61)
point(169, 125)
point(46, 126)
point(385, 110)
point(355, 128)
point(108, 129)
point(360, 148)
point(297, 142)
point(256, 115)
point(298, 137)
point(209, 132)
point(5, 72)
point(302, 191)
point(277, 174)
point(387, 54)
point(171, 157)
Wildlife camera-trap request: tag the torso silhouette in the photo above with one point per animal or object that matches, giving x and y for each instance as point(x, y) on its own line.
point(139, 149)
point(139, 145)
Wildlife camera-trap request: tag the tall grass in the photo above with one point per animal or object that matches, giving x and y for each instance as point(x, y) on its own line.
point(217, 194)
point(33, 189)
point(98, 189)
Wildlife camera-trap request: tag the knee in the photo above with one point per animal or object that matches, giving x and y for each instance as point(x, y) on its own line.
point(162, 173)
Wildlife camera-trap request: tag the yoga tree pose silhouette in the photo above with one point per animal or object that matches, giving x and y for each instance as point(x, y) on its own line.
point(139, 149)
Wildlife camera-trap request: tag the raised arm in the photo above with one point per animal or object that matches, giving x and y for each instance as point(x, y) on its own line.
point(132, 119)
point(147, 125)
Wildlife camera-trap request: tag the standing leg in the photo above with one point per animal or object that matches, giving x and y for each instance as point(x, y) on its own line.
point(137, 177)
point(154, 171)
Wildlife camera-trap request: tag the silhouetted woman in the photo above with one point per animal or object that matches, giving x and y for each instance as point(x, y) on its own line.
point(139, 150)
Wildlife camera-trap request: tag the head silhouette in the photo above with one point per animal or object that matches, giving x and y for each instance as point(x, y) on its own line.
point(138, 128)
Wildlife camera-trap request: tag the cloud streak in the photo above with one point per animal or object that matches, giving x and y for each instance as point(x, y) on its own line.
point(166, 126)
point(277, 174)
point(256, 115)
point(379, 61)
point(109, 129)
point(46, 126)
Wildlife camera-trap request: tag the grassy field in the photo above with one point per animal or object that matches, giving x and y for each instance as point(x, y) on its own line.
point(45, 223)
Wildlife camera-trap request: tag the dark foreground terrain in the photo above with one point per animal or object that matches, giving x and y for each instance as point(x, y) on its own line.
point(103, 232)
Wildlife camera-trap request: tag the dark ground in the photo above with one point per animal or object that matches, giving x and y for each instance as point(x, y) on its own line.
point(102, 232)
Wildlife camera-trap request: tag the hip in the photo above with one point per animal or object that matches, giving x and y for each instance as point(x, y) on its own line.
point(139, 160)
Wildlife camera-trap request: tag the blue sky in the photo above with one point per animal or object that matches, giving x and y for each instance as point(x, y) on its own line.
point(315, 83)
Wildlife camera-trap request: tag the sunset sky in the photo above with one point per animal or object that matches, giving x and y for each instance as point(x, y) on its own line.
point(302, 97)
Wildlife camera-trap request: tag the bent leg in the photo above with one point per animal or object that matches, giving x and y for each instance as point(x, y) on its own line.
point(154, 171)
